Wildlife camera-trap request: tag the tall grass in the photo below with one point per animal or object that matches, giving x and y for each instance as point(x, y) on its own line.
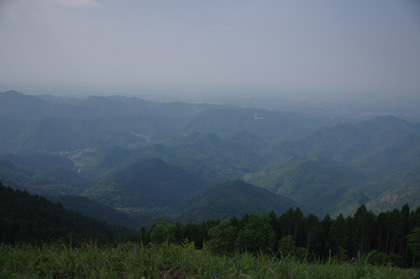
point(132, 260)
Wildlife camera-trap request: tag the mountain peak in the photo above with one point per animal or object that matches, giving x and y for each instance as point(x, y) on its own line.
point(15, 104)
point(12, 93)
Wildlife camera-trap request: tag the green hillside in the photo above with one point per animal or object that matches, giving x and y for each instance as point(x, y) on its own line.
point(42, 174)
point(57, 134)
point(382, 150)
point(349, 143)
point(41, 162)
point(211, 158)
point(148, 183)
point(99, 211)
point(248, 140)
point(316, 183)
point(225, 156)
point(20, 106)
point(395, 189)
point(399, 153)
point(105, 163)
point(35, 220)
point(231, 199)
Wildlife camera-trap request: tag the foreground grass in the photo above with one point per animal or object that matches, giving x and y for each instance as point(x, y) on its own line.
point(131, 260)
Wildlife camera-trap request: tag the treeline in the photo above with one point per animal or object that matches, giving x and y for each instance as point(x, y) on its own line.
point(35, 220)
point(385, 236)
point(393, 235)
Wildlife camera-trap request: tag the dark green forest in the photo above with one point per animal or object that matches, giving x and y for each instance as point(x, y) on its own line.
point(391, 237)
point(35, 220)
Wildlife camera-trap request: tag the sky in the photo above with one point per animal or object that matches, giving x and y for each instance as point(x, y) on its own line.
point(339, 46)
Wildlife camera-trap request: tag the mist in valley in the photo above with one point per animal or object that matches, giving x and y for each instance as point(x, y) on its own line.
point(138, 111)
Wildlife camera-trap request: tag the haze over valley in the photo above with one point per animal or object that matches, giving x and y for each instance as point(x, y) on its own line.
point(150, 160)
point(284, 128)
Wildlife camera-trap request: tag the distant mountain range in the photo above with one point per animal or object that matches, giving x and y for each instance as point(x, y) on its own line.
point(30, 124)
point(130, 161)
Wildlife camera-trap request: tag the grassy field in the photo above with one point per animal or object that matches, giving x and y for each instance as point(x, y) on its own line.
point(131, 260)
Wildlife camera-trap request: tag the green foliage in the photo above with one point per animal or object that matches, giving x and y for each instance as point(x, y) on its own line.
point(131, 260)
point(163, 232)
point(287, 248)
point(380, 258)
point(341, 255)
point(414, 242)
point(223, 237)
point(257, 234)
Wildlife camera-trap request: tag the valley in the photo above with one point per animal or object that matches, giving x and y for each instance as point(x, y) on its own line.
point(209, 139)
point(184, 162)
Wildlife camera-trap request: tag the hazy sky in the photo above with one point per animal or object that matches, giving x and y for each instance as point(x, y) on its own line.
point(334, 45)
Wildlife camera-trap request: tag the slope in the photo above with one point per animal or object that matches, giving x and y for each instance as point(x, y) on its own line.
point(382, 149)
point(42, 174)
point(91, 208)
point(395, 189)
point(346, 142)
point(147, 183)
point(318, 184)
point(33, 219)
point(209, 157)
point(230, 199)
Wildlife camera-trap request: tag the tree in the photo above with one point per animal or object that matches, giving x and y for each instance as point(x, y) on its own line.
point(405, 217)
point(311, 222)
point(163, 232)
point(414, 242)
point(223, 237)
point(257, 235)
point(287, 248)
point(194, 233)
point(340, 233)
point(323, 237)
point(275, 225)
point(363, 225)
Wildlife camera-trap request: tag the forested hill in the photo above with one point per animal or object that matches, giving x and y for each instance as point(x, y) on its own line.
point(33, 219)
point(232, 199)
point(147, 183)
point(335, 169)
